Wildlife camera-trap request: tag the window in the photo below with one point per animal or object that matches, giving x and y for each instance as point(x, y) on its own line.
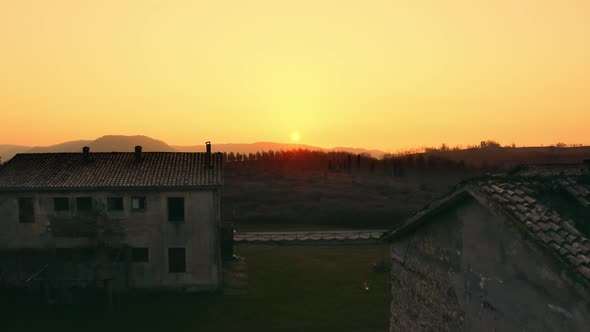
point(176, 260)
point(140, 255)
point(115, 203)
point(26, 210)
point(176, 209)
point(61, 204)
point(138, 204)
point(84, 204)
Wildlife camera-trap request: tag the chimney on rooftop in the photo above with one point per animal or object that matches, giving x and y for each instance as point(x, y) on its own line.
point(86, 153)
point(138, 151)
point(208, 158)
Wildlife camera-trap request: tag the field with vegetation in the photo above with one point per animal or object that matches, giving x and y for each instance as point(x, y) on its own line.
point(313, 200)
point(299, 189)
point(290, 288)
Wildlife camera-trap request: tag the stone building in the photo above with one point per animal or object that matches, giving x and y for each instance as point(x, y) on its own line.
point(116, 220)
point(500, 253)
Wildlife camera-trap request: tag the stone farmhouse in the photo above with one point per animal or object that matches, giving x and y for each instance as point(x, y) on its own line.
point(114, 220)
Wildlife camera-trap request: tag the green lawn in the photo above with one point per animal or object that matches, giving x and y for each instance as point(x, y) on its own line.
point(291, 288)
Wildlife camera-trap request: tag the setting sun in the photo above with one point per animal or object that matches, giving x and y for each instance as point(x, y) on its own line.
point(295, 137)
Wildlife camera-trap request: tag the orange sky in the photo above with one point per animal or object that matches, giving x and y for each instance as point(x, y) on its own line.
point(378, 74)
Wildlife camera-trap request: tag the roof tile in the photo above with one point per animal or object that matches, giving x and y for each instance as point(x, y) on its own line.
point(486, 188)
point(544, 226)
point(558, 239)
point(530, 200)
point(583, 258)
point(46, 171)
point(582, 190)
point(544, 237)
point(569, 228)
point(520, 216)
point(584, 271)
point(534, 217)
point(584, 202)
point(572, 191)
point(573, 260)
point(497, 189)
point(534, 228)
point(571, 249)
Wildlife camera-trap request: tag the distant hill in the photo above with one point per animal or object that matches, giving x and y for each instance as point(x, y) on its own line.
point(267, 146)
point(111, 143)
point(128, 143)
point(8, 151)
point(62, 147)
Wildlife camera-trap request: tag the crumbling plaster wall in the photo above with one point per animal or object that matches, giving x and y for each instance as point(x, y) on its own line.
point(199, 233)
point(469, 269)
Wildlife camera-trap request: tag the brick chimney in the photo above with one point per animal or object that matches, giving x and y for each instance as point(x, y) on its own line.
point(138, 151)
point(208, 155)
point(86, 153)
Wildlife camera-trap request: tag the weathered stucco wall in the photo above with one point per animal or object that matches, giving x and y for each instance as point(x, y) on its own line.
point(199, 234)
point(468, 269)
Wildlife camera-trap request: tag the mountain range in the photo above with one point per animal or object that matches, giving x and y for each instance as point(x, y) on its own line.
point(120, 143)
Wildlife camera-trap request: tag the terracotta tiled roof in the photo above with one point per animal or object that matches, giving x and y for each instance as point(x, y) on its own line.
point(522, 198)
point(546, 226)
point(47, 171)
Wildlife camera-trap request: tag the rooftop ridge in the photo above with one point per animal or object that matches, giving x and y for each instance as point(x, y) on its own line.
point(112, 170)
point(546, 226)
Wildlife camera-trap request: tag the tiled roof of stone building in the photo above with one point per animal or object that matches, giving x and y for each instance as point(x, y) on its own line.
point(94, 171)
point(526, 198)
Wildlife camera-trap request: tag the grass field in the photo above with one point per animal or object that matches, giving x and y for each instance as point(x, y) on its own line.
point(268, 201)
point(291, 288)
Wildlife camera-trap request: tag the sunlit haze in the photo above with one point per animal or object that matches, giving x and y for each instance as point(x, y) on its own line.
point(374, 74)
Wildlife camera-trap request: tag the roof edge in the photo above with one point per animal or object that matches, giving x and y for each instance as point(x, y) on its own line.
point(433, 208)
point(129, 188)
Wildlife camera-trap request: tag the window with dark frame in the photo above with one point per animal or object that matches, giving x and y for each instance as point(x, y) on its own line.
point(138, 204)
point(61, 204)
point(176, 260)
point(84, 204)
point(115, 204)
point(26, 210)
point(176, 209)
point(140, 255)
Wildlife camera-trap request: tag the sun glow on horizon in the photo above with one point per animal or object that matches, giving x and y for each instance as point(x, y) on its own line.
point(295, 137)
